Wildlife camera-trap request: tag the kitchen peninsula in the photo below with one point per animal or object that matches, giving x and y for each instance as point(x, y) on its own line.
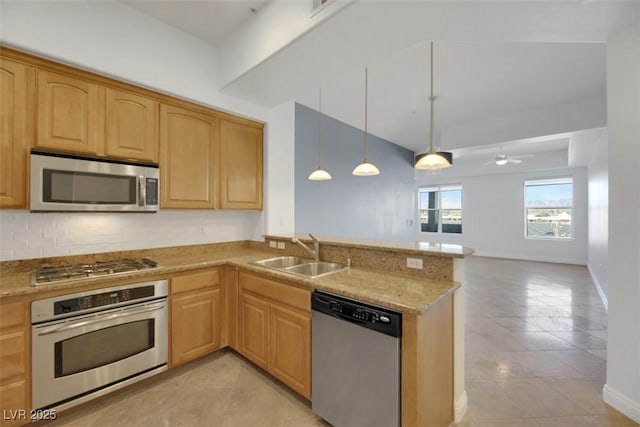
point(220, 284)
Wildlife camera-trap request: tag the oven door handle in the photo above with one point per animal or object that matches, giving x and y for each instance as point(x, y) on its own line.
point(74, 325)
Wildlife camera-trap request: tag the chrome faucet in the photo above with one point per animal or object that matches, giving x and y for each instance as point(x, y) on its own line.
point(316, 246)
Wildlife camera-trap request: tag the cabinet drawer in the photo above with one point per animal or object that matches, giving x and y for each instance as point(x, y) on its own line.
point(283, 294)
point(193, 281)
point(12, 315)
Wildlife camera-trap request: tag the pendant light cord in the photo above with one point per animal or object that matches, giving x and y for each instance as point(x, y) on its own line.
point(366, 103)
point(319, 127)
point(432, 100)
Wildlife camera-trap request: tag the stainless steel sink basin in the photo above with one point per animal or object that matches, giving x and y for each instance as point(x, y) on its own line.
point(301, 266)
point(283, 261)
point(316, 269)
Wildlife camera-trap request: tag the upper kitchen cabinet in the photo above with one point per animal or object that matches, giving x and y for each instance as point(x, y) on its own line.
point(189, 147)
point(70, 113)
point(132, 126)
point(15, 131)
point(240, 166)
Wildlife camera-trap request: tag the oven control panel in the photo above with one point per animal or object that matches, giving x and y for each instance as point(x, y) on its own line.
point(81, 303)
point(101, 299)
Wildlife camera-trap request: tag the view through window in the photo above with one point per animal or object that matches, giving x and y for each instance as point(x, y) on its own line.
point(440, 209)
point(548, 204)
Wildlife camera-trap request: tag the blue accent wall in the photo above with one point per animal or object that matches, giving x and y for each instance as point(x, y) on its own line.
point(376, 207)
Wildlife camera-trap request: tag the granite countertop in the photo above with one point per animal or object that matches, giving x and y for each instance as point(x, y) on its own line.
point(417, 248)
point(403, 292)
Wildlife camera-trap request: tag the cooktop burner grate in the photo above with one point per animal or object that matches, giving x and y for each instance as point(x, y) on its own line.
point(51, 274)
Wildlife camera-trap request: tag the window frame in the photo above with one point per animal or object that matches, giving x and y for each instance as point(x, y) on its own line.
point(548, 181)
point(439, 189)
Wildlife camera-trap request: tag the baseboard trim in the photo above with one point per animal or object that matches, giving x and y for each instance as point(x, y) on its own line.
point(460, 407)
point(622, 403)
point(596, 282)
point(528, 258)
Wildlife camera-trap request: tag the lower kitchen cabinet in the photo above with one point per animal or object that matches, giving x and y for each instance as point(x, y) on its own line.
point(14, 359)
point(196, 315)
point(290, 348)
point(254, 332)
point(274, 329)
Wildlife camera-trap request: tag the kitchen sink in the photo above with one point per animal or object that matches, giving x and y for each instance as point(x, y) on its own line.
point(315, 269)
point(301, 266)
point(283, 261)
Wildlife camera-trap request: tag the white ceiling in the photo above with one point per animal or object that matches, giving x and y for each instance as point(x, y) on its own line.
point(492, 59)
point(473, 81)
point(209, 20)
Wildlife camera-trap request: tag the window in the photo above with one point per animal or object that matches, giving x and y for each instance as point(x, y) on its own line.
point(548, 205)
point(440, 209)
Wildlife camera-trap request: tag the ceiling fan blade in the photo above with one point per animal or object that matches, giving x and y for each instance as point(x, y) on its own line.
point(492, 162)
point(523, 156)
point(514, 161)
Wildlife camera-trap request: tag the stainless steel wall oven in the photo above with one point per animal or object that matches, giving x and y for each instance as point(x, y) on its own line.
point(90, 343)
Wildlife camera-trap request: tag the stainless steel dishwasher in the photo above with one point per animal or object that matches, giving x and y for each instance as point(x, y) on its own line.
point(356, 362)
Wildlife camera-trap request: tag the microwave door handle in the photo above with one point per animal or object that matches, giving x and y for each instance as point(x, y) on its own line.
point(75, 325)
point(142, 191)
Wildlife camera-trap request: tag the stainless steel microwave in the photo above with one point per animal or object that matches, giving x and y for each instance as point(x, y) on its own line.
point(64, 182)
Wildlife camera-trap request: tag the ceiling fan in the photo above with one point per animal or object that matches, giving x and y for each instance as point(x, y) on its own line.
point(504, 159)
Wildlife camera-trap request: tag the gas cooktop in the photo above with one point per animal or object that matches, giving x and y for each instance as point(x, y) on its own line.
point(51, 274)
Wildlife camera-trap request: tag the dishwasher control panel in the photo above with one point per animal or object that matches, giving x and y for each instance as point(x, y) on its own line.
point(367, 315)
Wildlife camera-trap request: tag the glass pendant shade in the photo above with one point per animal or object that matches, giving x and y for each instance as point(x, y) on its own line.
point(319, 175)
point(501, 162)
point(434, 161)
point(366, 169)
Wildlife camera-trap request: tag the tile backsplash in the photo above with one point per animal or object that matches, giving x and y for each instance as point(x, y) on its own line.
point(26, 235)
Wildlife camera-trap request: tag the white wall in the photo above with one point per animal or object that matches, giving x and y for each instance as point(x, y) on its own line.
point(279, 162)
point(113, 39)
point(493, 218)
point(598, 246)
point(623, 111)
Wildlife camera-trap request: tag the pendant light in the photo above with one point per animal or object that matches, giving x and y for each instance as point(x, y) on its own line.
point(433, 160)
point(365, 168)
point(319, 174)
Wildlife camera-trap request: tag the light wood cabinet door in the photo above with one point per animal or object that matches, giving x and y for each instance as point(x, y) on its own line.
point(132, 126)
point(14, 361)
point(195, 325)
point(70, 113)
point(189, 145)
point(14, 132)
point(253, 329)
point(289, 348)
point(240, 166)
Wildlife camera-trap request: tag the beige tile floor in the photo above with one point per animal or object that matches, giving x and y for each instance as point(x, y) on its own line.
point(536, 340)
point(535, 356)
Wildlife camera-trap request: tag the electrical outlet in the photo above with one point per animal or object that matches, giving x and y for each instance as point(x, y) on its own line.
point(415, 263)
point(281, 245)
point(273, 244)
